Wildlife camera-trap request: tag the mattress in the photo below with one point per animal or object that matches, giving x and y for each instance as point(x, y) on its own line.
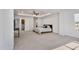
point(39, 29)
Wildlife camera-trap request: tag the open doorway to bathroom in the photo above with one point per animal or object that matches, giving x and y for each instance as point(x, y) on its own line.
point(22, 24)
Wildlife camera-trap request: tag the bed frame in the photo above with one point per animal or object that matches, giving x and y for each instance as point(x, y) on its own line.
point(45, 26)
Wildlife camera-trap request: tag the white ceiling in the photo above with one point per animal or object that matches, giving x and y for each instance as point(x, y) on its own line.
point(29, 11)
point(43, 11)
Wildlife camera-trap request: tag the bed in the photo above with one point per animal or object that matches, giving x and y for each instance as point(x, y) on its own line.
point(43, 29)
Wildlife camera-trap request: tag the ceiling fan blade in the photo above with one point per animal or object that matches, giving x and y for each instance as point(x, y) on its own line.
point(35, 13)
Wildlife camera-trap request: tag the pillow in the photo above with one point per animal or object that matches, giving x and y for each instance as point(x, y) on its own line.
point(44, 26)
point(48, 26)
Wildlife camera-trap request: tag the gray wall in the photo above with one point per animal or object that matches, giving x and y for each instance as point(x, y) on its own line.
point(67, 24)
point(52, 19)
point(6, 30)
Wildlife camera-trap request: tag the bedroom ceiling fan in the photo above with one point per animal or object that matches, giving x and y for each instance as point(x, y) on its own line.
point(39, 14)
point(35, 13)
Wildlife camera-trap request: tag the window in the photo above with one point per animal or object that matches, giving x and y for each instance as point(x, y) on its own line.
point(77, 22)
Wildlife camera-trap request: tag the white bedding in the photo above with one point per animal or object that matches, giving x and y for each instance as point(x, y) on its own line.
point(40, 29)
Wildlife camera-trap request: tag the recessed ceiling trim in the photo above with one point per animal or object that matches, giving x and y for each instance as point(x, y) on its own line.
point(20, 14)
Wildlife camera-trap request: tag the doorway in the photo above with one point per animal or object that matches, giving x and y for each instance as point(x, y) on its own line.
point(22, 24)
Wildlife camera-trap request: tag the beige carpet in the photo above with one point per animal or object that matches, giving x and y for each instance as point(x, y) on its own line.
point(46, 41)
point(69, 46)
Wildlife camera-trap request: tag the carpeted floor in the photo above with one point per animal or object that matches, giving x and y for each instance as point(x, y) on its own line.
point(46, 41)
